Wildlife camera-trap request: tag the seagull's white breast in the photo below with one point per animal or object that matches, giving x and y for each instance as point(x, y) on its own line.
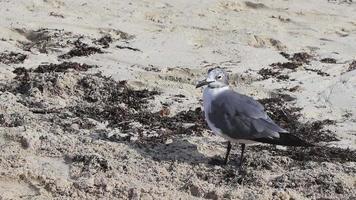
point(209, 95)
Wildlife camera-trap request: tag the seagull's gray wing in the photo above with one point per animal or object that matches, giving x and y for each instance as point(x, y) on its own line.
point(241, 117)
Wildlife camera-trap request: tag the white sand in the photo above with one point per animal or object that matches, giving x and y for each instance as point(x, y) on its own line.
point(183, 39)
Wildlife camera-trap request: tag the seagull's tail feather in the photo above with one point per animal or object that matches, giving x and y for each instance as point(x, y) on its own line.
point(285, 139)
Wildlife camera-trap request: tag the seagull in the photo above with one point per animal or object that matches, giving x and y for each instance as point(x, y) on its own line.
point(239, 118)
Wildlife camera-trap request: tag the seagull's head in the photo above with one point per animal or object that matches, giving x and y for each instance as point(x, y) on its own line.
point(216, 78)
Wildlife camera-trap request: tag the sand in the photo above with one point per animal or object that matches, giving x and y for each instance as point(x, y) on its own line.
point(98, 98)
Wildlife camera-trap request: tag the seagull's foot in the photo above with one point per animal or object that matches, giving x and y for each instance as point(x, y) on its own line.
point(242, 177)
point(217, 161)
point(241, 163)
point(242, 170)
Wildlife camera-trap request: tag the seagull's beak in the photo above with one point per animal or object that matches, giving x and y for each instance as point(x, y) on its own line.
point(202, 83)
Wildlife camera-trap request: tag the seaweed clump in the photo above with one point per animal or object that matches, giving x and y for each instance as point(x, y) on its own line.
point(12, 58)
point(287, 117)
point(80, 49)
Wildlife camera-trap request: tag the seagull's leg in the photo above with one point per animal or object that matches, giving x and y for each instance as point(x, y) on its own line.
point(228, 149)
point(242, 153)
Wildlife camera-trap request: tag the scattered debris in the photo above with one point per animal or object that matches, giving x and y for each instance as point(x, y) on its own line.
point(347, 115)
point(352, 66)
point(152, 68)
point(94, 98)
point(45, 40)
point(164, 111)
point(102, 99)
point(295, 61)
point(80, 49)
point(12, 58)
point(104, 41)
point(12, 120)
point(285, 55)
point(301, 57)
point(255, 5)
point(293, 89)
point(283, 97)
point(117, 34)
point(53, 14)
point(267, 73)
point(286, 65)
point(328, 60)
point(116, 147)
point(318, 71)
point(62, 67)
point(282, 19)
point(287, 118)
point(90, 162)
point(283, 77)
point(180, 95)
point(129, 48)
point(20, 71)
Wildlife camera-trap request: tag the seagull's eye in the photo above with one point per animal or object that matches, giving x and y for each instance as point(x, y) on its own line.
point(219, 77)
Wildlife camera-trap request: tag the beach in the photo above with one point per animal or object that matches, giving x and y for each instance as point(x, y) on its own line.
point(98, 98)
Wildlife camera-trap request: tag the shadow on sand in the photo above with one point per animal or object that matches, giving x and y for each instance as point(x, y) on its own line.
point(180, 150)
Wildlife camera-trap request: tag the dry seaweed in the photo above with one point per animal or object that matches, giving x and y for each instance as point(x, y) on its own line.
point(328, 60)
point(12, 58)
point(106, 100)
point(45, 40)
point(103, 99)
point(104, 41)
point(287, 117)
point(301, 57)
point(127, 47)
point(62, 67)
point(318, 71)
point(90, 162)
point(295, 61)
point(287, 65)
point(80, 49)
point(352, 66)
point(267, 73)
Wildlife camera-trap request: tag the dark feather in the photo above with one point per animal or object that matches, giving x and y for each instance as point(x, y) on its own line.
point(241, 117)
point(285, 139)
